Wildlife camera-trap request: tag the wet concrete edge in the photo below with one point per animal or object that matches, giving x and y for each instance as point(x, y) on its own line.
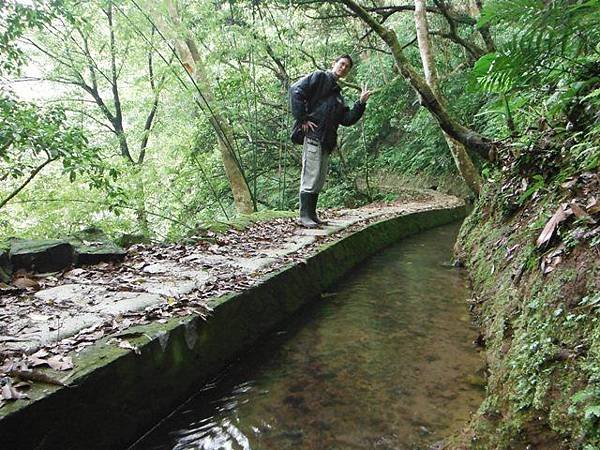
point(115, 395)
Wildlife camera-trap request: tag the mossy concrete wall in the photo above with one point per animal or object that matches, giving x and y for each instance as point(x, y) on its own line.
point(116, 395)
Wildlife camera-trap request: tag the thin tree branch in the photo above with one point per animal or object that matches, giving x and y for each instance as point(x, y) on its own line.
point(26, 182)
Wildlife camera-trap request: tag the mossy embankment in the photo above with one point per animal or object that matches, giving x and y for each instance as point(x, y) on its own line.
point(538, 306)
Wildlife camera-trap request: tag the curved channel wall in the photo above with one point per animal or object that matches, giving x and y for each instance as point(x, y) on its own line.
point(115, 395)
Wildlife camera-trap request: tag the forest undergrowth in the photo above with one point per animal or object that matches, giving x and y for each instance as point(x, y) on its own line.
point(531, 248)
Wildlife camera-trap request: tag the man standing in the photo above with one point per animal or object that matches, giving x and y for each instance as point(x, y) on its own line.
point(317, 104)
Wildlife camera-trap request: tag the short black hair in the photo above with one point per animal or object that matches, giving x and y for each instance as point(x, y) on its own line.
point(348, 57)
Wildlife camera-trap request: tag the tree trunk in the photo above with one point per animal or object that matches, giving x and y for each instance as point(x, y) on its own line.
point(472, 140)
point(461, 158)
point(189, 54)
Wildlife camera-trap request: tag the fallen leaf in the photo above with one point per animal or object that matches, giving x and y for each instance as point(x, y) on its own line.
point(580, 212)
point(36, 362)
point(58, 362)
point(26, 283)
point(568, 184)
point(40, 354)
point(551, 264)
point(36, 376)
point(593, 206)
point(128, 346)
point(559, 216)
point(10, 393)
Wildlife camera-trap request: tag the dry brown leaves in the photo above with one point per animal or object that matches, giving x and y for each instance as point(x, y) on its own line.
point(551, 226)
point(584, 205)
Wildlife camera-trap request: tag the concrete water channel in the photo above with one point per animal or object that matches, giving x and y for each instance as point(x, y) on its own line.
point(384, 360)
point(115, 395)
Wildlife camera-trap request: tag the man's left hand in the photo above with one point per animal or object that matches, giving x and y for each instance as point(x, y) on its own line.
point(365, 93)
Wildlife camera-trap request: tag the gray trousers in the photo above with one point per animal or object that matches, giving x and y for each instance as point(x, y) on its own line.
point(315, 164)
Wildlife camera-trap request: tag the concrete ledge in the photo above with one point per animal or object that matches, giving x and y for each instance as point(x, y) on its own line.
point(115, 395)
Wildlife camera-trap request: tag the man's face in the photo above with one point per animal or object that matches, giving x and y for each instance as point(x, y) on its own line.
point(341, 68)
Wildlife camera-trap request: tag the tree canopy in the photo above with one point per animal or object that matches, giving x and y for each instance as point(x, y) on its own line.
point(159, 117)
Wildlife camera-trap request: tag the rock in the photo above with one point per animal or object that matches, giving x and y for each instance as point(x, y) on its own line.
point(92, 246)
point(75, 294)
point(174, 288)
point(5, 265)
point(127, 240)
point(48, 255)
point(97, 252)
point(92, 234)
point(5, 275)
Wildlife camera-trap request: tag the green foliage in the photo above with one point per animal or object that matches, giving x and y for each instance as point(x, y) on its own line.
point(16, 18)
point(251, 52)
point(537, 184)
point(28, 133)
point(419, 150)
point(552, 52)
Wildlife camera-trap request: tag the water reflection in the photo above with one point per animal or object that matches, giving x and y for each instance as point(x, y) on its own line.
point(384, 362)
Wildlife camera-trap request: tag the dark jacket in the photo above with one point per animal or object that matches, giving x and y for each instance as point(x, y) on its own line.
point(317, 97)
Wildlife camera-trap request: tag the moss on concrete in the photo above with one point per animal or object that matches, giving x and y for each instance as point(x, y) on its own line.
point(115, 395)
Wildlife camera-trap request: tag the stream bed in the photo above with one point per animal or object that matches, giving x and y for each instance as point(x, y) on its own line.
point(384, 361)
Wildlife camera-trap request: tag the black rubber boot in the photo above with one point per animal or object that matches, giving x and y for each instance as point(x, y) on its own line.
point(313, 210)
point(306, 206)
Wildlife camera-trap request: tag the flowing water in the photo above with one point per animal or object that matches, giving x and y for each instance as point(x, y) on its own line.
point(385, 361)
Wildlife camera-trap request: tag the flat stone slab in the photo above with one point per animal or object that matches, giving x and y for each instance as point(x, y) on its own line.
point(169, 288)
point(255, 264)
point(82, 294)
point(5, 266)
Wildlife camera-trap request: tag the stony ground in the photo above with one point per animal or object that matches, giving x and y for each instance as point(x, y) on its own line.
point(45, 319)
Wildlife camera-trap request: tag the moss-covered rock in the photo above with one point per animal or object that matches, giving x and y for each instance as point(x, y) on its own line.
point(92, 246)
point(48, 255)
point(98, 252)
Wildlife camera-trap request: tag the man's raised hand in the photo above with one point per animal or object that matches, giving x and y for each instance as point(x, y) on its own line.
point(365, 93)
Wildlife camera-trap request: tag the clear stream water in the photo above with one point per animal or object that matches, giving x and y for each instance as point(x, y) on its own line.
point(385, 361)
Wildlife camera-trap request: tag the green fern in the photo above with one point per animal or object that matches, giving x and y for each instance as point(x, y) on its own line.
point(553, 41)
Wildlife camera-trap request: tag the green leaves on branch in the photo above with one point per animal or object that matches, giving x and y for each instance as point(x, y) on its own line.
point(494, 73)
point(31, 137)
point(551, 41)
point(16, 18)
point(550, 60)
